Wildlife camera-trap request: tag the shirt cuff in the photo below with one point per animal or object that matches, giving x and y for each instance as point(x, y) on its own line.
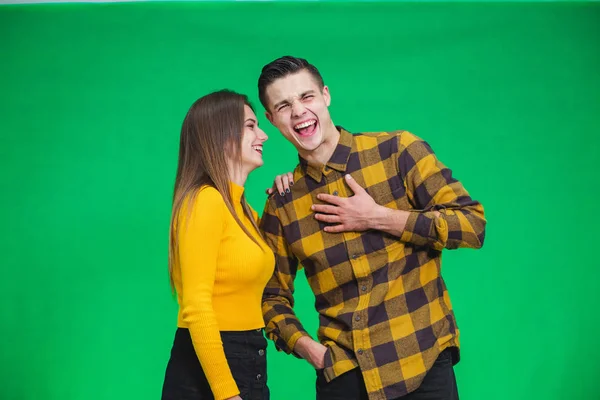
point(425, 228)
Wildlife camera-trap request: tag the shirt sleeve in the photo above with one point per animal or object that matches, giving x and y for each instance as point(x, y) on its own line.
point(431, 187)
point(281, 324)
point(199, 236)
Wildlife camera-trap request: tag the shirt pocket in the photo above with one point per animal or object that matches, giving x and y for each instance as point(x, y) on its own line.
point(396, 199)
point(383, 242)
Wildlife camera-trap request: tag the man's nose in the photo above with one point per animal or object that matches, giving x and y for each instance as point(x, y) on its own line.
point(298, 109)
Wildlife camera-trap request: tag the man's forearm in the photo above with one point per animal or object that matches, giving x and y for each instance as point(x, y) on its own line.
point(282, 325)
point(302, 345)
point(430, 227)
point(390, 220)
point(310, 350)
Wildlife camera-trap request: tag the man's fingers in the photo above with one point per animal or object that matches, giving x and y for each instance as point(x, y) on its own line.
point(333, 219)
point(338, 201)
point(325, 209)
point(356, 188)
point(335, 229)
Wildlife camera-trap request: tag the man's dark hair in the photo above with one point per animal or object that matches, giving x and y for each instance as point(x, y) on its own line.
point(282, 67)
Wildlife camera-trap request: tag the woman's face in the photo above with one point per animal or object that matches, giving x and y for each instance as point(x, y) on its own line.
point(252, 142)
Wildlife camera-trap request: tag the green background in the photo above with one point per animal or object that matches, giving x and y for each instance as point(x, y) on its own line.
point(92, 100)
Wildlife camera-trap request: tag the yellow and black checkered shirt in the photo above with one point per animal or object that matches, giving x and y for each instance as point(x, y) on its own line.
point(382, 303)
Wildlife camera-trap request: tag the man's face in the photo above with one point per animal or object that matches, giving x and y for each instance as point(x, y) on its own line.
point(298, 108)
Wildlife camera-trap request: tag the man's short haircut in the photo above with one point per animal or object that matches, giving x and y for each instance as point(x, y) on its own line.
point(282, 67)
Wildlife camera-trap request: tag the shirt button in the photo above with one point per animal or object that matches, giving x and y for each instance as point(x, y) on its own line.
point(258, 377)
point(357, 318)
point(335, 192)
point(261, 352)
point(354, 256)
point(360, 352)
point(364, 288)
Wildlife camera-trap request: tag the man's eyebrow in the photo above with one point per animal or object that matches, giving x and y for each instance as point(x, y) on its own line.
point(282, 102)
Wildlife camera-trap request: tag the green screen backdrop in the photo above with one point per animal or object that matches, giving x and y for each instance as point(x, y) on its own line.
point(91, 102)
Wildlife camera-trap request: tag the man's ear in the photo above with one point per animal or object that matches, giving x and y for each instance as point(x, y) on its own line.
point(269, 116)
point(326, 95)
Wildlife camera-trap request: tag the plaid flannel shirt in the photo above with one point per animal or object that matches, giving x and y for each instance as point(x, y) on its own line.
point(382, 303)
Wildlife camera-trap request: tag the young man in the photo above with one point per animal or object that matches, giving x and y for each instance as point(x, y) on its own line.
point(367, 217)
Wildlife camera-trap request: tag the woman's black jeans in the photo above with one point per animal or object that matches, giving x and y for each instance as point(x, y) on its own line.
point(246, 353)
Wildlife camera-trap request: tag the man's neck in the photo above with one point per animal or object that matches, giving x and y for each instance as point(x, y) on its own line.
point(323, 153)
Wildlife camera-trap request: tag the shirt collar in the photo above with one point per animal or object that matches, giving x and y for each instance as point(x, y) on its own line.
point(338, 160)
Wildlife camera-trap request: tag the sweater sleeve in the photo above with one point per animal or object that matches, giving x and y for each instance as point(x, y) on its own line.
point(199, 238)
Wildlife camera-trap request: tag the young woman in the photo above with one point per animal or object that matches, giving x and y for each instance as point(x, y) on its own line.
point(218, 262)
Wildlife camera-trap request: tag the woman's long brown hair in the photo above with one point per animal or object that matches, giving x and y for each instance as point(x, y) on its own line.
point(213, 125)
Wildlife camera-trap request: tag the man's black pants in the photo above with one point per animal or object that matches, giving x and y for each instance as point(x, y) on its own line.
point(439, 384)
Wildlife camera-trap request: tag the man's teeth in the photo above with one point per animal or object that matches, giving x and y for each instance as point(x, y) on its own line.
point(304, 124)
